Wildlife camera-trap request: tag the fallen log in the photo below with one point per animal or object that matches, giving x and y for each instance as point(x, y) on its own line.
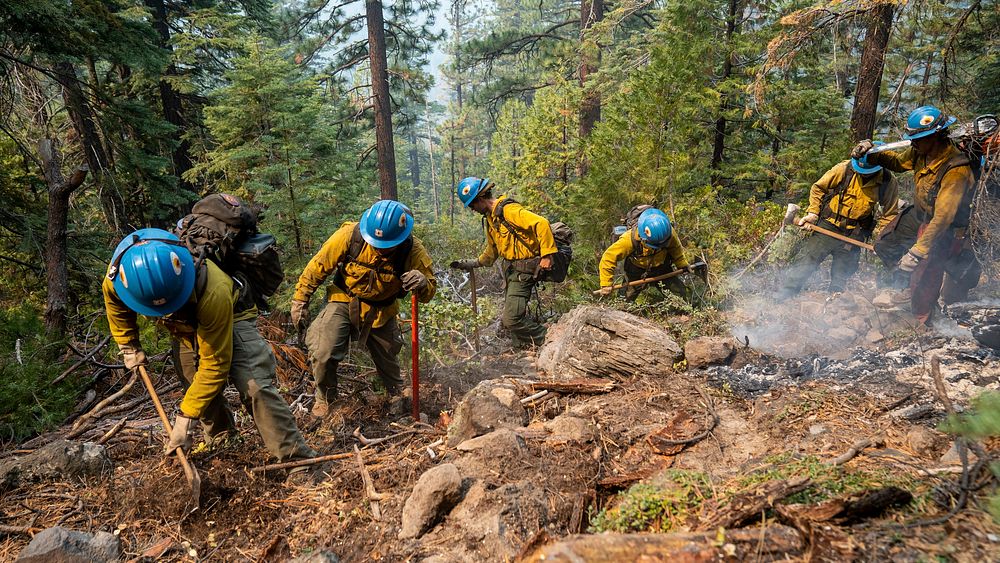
point(744, 506)
point(846, 510)
point(580, 386)
point(751, 544)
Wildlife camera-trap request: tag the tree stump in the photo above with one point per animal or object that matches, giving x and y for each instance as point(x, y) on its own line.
point(593, 341)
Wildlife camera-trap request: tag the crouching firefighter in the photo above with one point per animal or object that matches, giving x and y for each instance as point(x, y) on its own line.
point(648, 249)
point(855, 198)
point(374, 262)
point(930, 238)
point(153, 274)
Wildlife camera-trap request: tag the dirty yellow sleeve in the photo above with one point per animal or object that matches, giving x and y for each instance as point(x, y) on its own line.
point(676, 251)
point(214, 338)
point(823, 186)
point(894, 161)
point(620, 250)
point(953, 187)
point(420, 260)
point(323, 263)
point(123, 321)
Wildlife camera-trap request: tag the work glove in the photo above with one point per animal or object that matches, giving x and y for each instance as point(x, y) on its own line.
point(467, 265)
point(414, 280)
point(861, 148)
point(180, 437)
point(695, 268)
point(909, 262)
point(605, 290)
point(132, 356)
point(811, 218)
point(300, 314)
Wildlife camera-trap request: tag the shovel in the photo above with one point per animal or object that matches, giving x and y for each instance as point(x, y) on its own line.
point(190, 473)
point(415, 352)
point(666, 276)
point(829, 233)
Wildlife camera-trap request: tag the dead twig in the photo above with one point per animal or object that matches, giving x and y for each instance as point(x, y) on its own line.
point(856, 449)
point(301, 462)
point(370, 492)
point(86, 358)
point(375, 441)
point(114, 430)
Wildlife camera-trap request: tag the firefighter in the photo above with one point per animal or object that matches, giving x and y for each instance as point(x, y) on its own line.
point(854, 198)
point(154, 275)
point(374, 262)
point(524, 240)
point(651, 248)
point(930, 238)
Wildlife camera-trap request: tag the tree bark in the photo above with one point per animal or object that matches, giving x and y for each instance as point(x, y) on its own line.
point(869, 83)
point(115, 211)
point(56, 271)
point(591, 12)
point(383, 104)
point(719, 141)
point(170, 99)
point(414, 156)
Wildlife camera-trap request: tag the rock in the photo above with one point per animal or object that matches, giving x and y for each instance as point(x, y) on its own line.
point(951, 456)
point(58, 459)
point(841, 333)
point(874, 336)
point(436, 492)
point(705, 351)
point(811, 309)
point(817, 429)
point(499, 444)
point(913, 412)
point(61, 545)
point(482, 411)
point(923, 441)
point(568, 428)
point(322, 556)
point(592, 341)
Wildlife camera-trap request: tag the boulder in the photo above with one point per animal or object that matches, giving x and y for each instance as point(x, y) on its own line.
point(705, 351)
point(58, 459)
point(497, 445)
point(61, 545)
point(322, 556)
point(924, 442)
point(436, 492)
point(592, 341)
point(490, 405)
point(569, 428)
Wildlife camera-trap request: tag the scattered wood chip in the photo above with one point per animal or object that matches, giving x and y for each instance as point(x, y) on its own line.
point(582, 386)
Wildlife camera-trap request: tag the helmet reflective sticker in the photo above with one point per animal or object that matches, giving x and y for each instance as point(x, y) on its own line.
point(378, 233)
point(175, 261)
point(402, 220)
point(648, 232)
point(927, 120)
point(121, 274)
point(466, 189)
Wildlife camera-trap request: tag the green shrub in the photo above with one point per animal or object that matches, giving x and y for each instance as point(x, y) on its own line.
point(660, 508)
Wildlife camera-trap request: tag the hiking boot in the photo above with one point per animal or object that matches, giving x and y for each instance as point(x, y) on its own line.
point(321, 405)
point(892, 298)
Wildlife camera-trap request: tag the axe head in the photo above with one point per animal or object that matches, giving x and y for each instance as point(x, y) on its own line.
point(790, 214)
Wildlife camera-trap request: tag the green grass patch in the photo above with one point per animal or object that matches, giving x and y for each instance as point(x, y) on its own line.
point(655, 508)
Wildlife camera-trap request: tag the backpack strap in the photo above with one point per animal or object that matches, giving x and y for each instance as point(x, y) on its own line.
point(354, 249)
point(825, 210)
point(964, 213)
point(500, 215)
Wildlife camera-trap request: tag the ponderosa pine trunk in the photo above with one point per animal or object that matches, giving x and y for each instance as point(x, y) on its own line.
point(591, 12)
point(719, 138)
point(869, 83)
point(383, 104)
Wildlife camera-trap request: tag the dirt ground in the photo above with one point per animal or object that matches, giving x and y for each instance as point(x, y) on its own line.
point(764, 416)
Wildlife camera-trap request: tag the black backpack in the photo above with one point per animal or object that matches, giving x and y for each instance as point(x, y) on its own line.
point(563, 236)
point(632, 217)
point(223, 229)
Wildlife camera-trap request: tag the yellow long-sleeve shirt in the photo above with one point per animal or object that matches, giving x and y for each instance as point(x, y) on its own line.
point(627, 248)
point(956, 184)
point(370, 277)
point(206, 326)
point(858, 202)
point(532, 236)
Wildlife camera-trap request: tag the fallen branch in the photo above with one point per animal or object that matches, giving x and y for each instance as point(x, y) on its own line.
point(370, 492)
point(856, 449)
point(302, 462)
point(593, 386)
point(27, 530)
point(86, 358)
point(95, 412)
point(375, 441)
point(534, 397)
point(114, 430)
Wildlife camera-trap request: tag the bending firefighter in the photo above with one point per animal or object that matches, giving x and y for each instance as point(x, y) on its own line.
point(521, 238)
point(846, 200)
point(154, 275)
point(929, 239)
point(651, 248)
point(373, 264)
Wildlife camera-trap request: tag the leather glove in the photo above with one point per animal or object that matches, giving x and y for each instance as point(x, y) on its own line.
point(811, 218)
point(132, 356)
point(300, 314)
point(180, 437)
point(605, 290)
point(861, 148)
point(467, 265)
point(414, 280)
point(909, 262)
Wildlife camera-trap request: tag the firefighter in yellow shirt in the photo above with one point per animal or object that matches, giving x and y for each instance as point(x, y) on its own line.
point(374, 263)
point(855, 199)
point(154, 275)
point(651, 248)
point(521, 238)
point(930, 238)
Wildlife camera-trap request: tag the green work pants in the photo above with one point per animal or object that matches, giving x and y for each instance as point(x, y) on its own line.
point(814, 250)
point(252, 373)
point(635, 273)
point(524, 330)
point(329, 337)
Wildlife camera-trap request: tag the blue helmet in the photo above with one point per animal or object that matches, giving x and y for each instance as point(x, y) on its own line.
point(924, 121)
point(861, 165)
point(469, 188)
point(386, 224)
point(654, 228)
point(153, 273)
